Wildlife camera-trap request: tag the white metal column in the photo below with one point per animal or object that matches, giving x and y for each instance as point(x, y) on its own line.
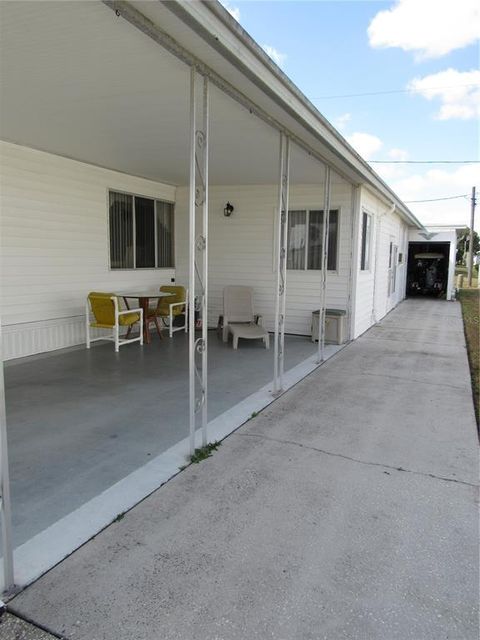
point(282, 233)
point(5, 509)
point(198, 259)
point(323, 286)
point(204, 248)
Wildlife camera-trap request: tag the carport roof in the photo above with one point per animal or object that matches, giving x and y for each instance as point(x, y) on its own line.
point(79, 81)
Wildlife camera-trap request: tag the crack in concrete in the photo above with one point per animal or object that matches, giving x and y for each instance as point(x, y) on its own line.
point(25, 618)
point(434, 384)
point(333, 454)
point(419, 342)
point(409, 323)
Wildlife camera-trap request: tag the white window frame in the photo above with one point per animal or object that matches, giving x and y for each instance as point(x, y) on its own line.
point(307, 210)
point(155, 199)
point(367, 265)
point(392, 266)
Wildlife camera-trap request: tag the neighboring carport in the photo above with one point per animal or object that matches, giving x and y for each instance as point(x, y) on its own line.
point(440, 241)
point(353, 516)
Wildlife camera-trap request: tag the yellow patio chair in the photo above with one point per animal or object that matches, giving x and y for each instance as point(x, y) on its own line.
point(170, 307)
point(102, 311)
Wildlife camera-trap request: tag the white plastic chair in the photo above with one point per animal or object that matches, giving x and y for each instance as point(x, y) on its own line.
point(239, 318)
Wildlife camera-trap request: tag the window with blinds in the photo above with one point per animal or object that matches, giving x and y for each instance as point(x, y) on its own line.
point(305, 238)
point(141, 232)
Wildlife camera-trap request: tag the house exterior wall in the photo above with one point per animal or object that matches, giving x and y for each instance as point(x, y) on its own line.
point(55, 246)
point(241, 250)
point(374, 299)
point(55, 249)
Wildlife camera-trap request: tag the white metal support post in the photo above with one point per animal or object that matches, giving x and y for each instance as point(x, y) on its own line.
point(323, 285)
point(282, 232)
point(5, 508)
point(191, 265)
point(204, 248)
point(198, 260)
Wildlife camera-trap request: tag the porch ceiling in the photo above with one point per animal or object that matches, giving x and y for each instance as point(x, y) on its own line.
point(80, 82)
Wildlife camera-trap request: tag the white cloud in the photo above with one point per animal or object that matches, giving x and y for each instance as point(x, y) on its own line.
point(233, 11)
point(275, 55)
point(459, 98)
point(414, 182)
point(390, 172)
point(365, 143)
point(430, 28)
point(438, 183)
point(398, 154)
point(341, 121)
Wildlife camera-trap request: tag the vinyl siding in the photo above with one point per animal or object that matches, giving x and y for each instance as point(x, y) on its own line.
point(392, 229)
point(372, 300)
point(241, 250)
point(55, 246)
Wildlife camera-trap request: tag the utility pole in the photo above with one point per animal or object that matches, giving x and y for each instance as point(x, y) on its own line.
point(470, 244)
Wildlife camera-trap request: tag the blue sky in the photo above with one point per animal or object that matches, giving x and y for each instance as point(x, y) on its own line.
point(426, 50)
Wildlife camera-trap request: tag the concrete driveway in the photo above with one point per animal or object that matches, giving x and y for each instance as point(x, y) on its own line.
point(347, 510)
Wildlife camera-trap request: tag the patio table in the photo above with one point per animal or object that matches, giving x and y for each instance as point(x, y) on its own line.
point(144, 298)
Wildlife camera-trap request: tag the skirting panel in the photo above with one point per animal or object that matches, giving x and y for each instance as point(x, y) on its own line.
point(26, 339)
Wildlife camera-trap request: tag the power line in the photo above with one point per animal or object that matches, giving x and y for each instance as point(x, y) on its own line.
point(380, 93)
point(423, 161)
point(464, 195)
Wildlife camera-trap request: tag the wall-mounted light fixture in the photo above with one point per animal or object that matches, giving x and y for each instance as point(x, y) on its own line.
point(228, 209)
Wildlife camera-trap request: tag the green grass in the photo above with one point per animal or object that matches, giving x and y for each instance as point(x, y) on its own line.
point(204, 452)
point(470, 301)
point(461, 270)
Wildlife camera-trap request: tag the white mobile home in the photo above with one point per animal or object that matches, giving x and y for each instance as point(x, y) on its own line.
point(127, 128)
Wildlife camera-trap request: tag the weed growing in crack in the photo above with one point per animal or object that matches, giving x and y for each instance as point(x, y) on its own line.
point(204, 452)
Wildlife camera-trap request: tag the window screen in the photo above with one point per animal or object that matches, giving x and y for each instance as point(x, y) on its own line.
point(121, 231)
point(305, 238)
point(141, 232)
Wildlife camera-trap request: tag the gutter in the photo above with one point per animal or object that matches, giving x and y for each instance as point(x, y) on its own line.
point(404, 213)
point(182, 10)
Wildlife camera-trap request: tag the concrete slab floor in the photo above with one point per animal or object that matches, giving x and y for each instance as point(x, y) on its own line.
point(79, 421)
point(347, 510)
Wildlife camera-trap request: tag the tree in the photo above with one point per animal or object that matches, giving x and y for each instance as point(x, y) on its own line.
point(463, 241)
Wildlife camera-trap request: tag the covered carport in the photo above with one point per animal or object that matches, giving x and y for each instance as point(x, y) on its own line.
point(89, 89)
point(431, 261)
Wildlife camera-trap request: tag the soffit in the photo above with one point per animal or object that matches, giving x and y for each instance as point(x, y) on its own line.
point(208, 32)
point(78, 81)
